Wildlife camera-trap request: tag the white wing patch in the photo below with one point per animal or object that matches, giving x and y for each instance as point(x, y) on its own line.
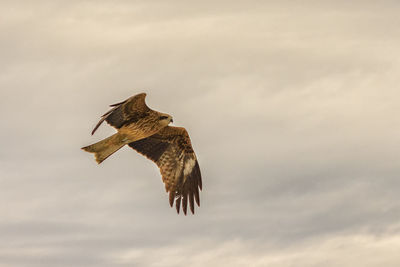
point(189, 164)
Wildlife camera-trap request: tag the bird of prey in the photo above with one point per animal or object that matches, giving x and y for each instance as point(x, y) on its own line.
point(147, 131)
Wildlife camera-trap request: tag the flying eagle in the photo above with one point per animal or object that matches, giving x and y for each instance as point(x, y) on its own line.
point(147, 131)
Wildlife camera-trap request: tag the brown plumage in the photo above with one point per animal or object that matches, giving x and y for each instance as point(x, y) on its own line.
point(172, 151)
point(147, 131)
point(133, 119)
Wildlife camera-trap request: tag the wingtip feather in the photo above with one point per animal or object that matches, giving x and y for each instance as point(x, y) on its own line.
point(197, 196)
point(191, 202)
point(178, 204)
point(171, 198)
point(184, 204)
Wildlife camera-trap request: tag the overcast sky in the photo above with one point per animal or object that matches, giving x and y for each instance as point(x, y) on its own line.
point(292, 108)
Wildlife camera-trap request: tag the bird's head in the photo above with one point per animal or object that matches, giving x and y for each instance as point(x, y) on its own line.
point(164, 119)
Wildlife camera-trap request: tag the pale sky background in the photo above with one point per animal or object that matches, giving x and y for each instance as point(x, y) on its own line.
point(292, 108)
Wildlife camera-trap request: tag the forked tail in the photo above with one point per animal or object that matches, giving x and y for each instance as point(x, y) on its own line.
point(106, 147)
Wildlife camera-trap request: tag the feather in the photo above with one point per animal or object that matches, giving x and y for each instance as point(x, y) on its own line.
point(128, 111)
point(117, 104)
point(196, 196)
point(184, 203)
point(178, 203)
point(191, 202)
point(171, 198)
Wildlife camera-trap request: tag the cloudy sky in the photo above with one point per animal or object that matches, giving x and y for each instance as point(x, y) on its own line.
point(292, 108)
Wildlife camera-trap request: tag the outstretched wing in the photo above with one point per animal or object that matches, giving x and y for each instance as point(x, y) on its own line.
point(172, 151)
point(128, 111)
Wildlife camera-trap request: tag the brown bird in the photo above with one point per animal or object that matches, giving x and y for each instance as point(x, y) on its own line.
point(147, 131)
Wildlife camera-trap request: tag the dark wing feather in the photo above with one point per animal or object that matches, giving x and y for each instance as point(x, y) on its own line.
point(128, 111)
point(172, 151)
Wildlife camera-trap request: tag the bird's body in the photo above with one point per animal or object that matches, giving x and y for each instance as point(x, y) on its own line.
point(133, 120)
point(147, 131)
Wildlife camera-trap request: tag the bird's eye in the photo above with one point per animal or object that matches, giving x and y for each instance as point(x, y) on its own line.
point(163, 117)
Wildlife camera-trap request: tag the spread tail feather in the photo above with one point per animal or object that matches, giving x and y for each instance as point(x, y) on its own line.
point(106, 147)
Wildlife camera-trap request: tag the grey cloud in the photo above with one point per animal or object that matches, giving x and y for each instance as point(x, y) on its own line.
point(291, 107)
